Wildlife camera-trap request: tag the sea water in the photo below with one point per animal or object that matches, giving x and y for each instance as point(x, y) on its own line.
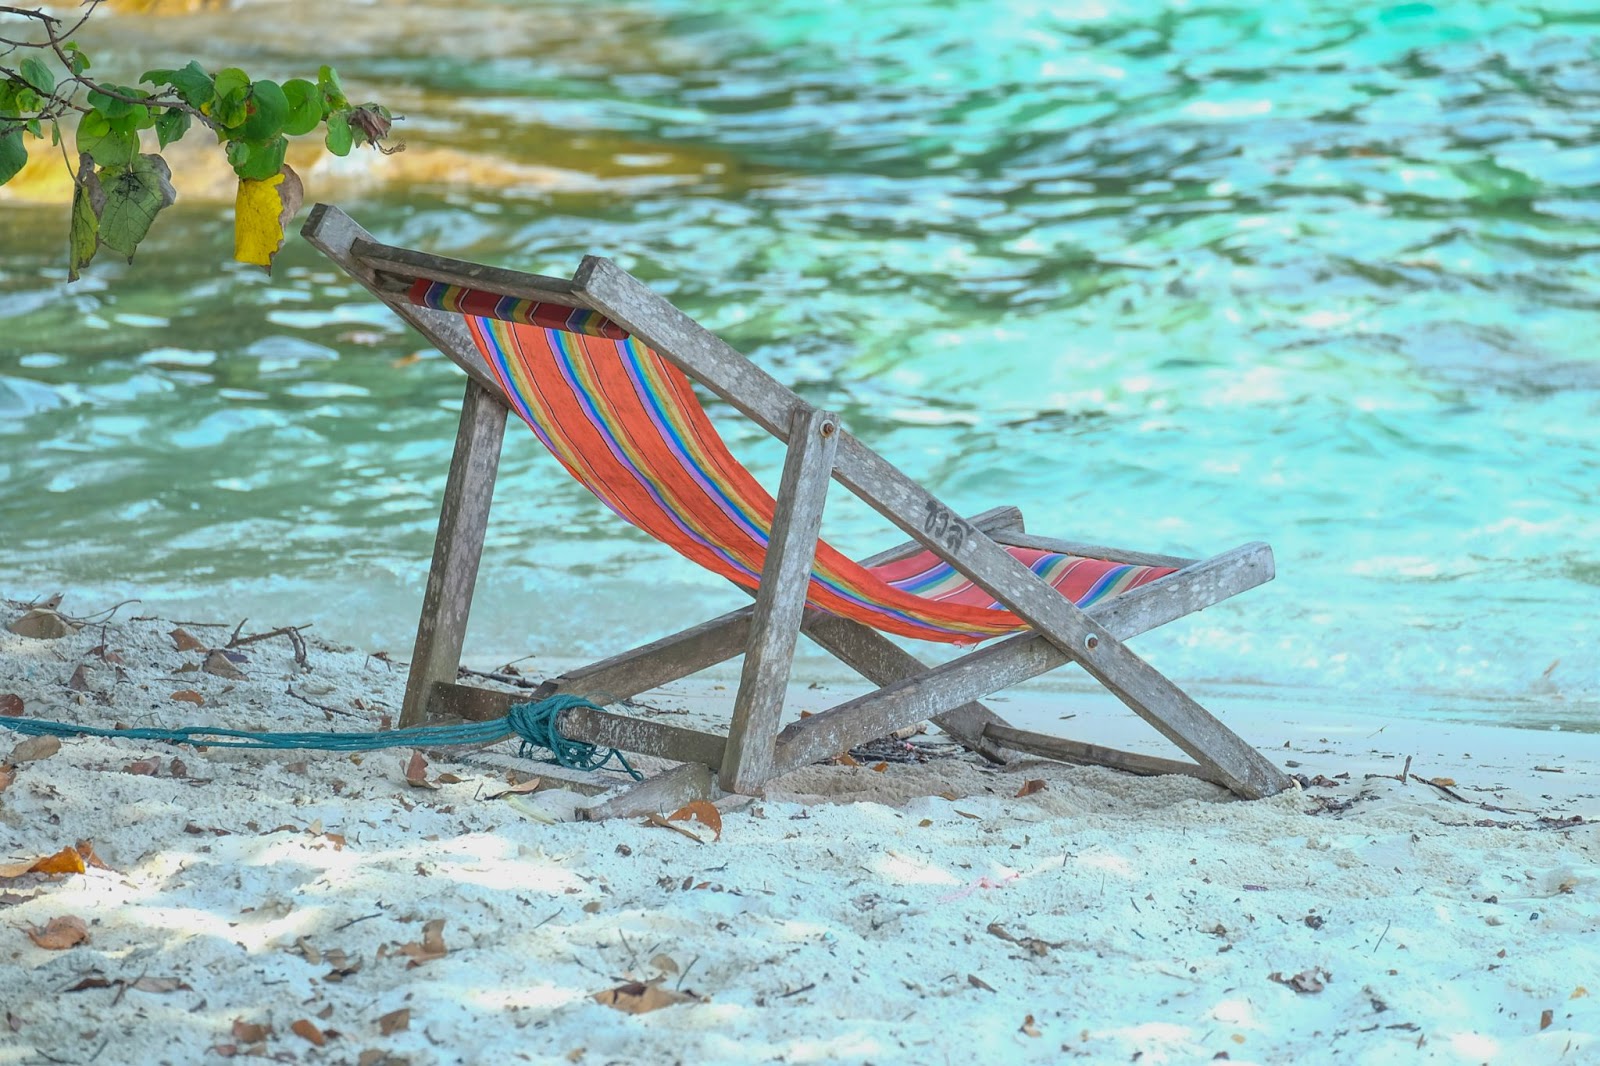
point(1172, 276)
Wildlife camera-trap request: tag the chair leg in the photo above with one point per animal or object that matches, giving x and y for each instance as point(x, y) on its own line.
point(463, 520)
point(781, 601)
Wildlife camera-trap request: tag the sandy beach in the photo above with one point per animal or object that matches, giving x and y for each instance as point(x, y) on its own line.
point(318, 907)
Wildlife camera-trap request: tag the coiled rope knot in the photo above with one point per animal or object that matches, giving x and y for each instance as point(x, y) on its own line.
point(538, 724)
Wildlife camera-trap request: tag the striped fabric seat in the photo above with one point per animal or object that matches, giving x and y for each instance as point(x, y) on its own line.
point(629, 427)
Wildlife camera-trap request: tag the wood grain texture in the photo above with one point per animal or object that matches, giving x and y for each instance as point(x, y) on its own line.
point(1075, 751)
point(780, 601)
point(661, 794)
point(406, 264)
point(457, 548)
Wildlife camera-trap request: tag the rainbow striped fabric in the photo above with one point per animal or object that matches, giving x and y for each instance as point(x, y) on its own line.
point(627, 425)
point(465, 301)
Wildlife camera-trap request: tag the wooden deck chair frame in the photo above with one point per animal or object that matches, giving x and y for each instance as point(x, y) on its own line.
point(756, 749)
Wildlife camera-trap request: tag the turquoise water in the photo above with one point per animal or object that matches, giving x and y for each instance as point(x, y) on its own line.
point(1174, 276)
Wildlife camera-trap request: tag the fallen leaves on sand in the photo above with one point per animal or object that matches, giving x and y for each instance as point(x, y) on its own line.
point(977, 982)
point(429, 948)
point(1028, 1028)
point(639, 997)
point(184, 641)
point(702, 812)
point(79, 681)
point(1579, 993)
point(308, 1032)
point(222, 664)
point(144, 767)
point(8, 774)
point(417, 772)
point(58, 934)
point(250, 1032)
point(34, 748)
point(156, 985)
point(1547, 1017)
point(1312, 980)
point(65, 861)
point(530, 785)
point(10, 704)
point(1031, 786)
point(662, 823)
point(42, 624)
point(394, 1021)
point(188, 695)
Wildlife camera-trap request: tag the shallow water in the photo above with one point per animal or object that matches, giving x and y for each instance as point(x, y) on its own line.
point(1169, 275)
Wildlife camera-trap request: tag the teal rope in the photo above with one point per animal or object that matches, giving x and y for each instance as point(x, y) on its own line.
point(535, 722)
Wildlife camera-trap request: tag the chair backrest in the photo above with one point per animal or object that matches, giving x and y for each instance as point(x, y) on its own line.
point(628, 425)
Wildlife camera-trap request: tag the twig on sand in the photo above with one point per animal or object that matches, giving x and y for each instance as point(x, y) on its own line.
point(1381, 935)
point(505, 679)
point(353, 921)
point(292, 632)
point(158, 618)
point(324, 708)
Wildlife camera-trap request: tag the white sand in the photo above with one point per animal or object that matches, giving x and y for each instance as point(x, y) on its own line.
point(848, 916)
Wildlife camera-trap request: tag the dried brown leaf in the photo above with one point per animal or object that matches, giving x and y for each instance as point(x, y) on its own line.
point(42, 624)
point(530, 785)
point(218, 663)
point(1306, 981)
point(65, 861)
point(160, 985)
point(977, 982)
point(308, 1032)
point(58, 934)
point(1547, 1018)
point(8, 774)
point(188, 695)
point(637, 997)
point(661, 823)
point(10, 704)
point(79, 681)
point(144, 767)
point(448, 779)
point(250, 1032)
point(34, 748)
point(1031, 786)
point(395, 1021)
point(184, 641)
point(417, 772)
point(1028, 1028)
point(702, 812)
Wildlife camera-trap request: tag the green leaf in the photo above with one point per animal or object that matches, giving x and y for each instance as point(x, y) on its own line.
point(192, 83)
point(83, 234)
point(268, 108)
point(332, 88)
point(110, 106)
point(36, 74)
point(13, 154)
point(136, 118)
point(339, 140)
point(108, 147)
point(134, 195)
point(257, 160)
point(171, 124)
point(305, 106)
point(77, 58)
point(230, 80)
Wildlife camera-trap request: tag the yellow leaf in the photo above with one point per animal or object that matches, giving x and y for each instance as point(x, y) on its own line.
point(261, 210)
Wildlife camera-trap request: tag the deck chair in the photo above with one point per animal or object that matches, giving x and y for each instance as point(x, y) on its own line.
point(600, 368)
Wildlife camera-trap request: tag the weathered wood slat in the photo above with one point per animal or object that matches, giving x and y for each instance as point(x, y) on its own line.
point(642, 736)
point(408, 264)
point(457, 547)
point(1091, 551)
point(1016, 659)
point(711, 361)
point(335, 233)
point(661, 794)
point(780, 601)
point(1075, 751)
